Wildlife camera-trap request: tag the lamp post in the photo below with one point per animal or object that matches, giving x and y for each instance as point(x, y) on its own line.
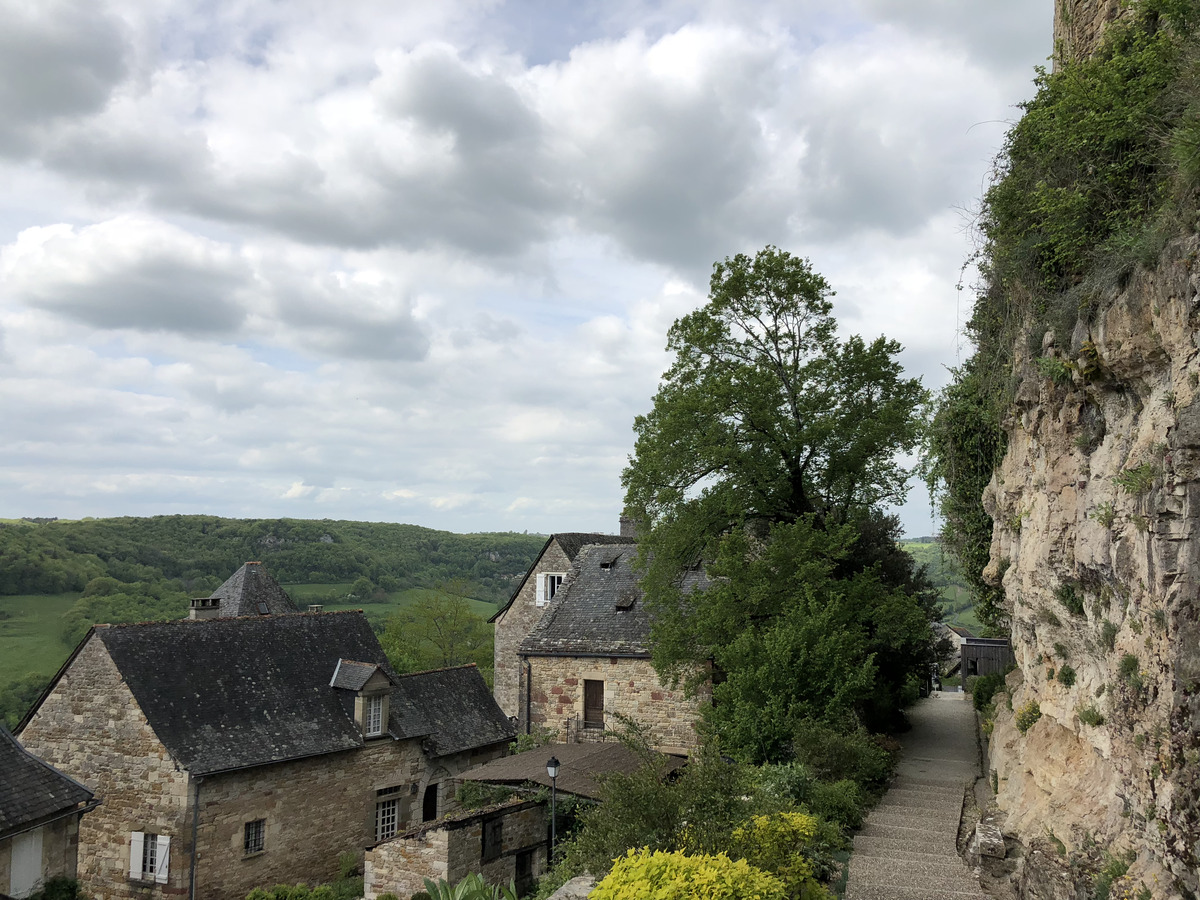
point(552, 771)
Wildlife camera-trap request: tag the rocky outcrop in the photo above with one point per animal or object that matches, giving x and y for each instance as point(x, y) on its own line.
point(1097, 513)
point(1078, 25)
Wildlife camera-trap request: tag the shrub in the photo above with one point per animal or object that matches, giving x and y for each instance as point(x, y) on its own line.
point(1069, 598)
point(59, 888)
point(1114, 869)
point(1089, 715)
point(1137, 480)
point(1061, 651)
point(1054, 368)
point(832, 755)
point(674, 876)
point(986, 687)
point(1066, 676)
point(775, 844)
point(1027, 715)
point(840, 802)
point(1129, 671)
point(1108, 635)
point(476, 794)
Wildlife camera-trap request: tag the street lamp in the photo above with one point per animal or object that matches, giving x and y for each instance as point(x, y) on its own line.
point(552, 771)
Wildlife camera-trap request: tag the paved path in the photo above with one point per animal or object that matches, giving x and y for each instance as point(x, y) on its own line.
point(906, 850)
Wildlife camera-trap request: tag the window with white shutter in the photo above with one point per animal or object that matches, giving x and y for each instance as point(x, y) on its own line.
point(548, 584)
point(149, 857)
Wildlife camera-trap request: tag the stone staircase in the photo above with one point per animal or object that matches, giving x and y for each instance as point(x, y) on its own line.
point(907, 848)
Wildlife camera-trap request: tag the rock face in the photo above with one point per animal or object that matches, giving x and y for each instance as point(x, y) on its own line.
point(1078, 25)
point(1097, 510)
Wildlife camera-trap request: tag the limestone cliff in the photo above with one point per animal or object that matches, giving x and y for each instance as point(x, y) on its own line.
point(1097, 511)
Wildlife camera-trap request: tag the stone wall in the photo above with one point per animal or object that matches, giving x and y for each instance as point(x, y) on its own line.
point(452, 848)
point(91, 728)
point(514, 625)
point(631, 688)
point(1079, 25)
point(1096, 508)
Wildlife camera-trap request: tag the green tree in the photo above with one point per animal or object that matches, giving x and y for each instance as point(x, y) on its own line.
point(437, 631)
point(771, 445)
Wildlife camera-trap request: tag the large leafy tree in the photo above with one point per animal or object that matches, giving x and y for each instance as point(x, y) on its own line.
point(770, 430)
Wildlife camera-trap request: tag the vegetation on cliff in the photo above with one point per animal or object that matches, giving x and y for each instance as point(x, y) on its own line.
point(1100, 171)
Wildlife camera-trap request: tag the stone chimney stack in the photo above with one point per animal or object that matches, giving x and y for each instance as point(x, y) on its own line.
point(629, 528)
point(205, 608)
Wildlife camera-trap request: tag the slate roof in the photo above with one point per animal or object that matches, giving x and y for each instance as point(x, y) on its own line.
point(458, 707)
point(598, 611)
point(32, 791)
point(350, 675)
point(580, 766)
point(250, 591)
point(571, 543)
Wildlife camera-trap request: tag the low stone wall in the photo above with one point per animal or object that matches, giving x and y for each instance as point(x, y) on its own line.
point(452, 848)
point(631, 689)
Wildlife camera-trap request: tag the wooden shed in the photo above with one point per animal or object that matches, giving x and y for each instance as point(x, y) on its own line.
point(983, 656)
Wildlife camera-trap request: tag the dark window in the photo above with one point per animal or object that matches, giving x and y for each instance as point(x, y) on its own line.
point(255, 832)
point(429, 804)
point(593, 704)
point(493, 839)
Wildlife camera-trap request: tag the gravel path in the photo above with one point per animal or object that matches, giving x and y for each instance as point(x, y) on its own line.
point(906, 850)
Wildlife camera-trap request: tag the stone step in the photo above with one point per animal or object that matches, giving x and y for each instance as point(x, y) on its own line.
point(932, 785)
point(916, 799)
point(936, 872)
point(929, 821)
point(896, 848)
point(908, 833)
point(883, 892)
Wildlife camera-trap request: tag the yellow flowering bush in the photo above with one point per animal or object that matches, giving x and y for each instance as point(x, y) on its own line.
point(775, 843)
point(642, 874)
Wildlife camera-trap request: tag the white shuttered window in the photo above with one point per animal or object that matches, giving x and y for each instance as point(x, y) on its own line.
point(149, 857)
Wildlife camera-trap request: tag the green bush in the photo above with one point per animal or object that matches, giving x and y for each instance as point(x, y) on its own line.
point(775, 844)
point(675, 876)
point(1130, 671)
point(1108, 634)
point(59, 888)
point(1066, 676)
point(1089, 715)
point(1027, 715)
point(833, 755)
point(1069, 597)
point(986, 687)
point(840, 802)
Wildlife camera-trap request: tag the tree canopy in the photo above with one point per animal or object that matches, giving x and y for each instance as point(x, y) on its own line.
point(769, 453)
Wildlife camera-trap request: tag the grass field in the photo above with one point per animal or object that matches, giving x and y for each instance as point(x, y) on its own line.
point(29, 636)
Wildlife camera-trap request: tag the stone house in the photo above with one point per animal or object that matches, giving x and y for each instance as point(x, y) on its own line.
point(249, 591)
point(40, 809)
point(587, 660)
point(237, 752)
point(503, 843)
point(524, 609)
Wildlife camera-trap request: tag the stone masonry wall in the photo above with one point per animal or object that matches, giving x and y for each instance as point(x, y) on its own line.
point(313, 810)
point(452, 849)
point(1079, 25)
point(91, 728)
point(631, 688)
point(514, 626)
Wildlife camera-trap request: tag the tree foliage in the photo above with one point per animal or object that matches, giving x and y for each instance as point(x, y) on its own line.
point(435, 632)
point(771, 445)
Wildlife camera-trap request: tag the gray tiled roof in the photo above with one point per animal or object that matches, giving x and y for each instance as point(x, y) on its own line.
point(599, 609)
point(229, 693)
point(460, 712)
point(580, 766)
point(571, 542)
point(351, 676)
point(250, 591)
point(32, 791)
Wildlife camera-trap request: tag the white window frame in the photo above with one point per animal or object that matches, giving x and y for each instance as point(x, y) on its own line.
point(255, 836)
point(387, 818)
point(374, 716)
point(548, 584)
point(149, 857)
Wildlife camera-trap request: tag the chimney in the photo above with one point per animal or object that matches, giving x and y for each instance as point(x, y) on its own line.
point(629, 527)
point(315, 607)
point(205, 608)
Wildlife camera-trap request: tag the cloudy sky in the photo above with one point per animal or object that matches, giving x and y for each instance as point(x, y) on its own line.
point(416, 262)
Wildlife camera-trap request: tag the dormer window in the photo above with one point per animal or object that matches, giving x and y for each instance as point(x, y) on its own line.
point(548, 584)
point(374, 725)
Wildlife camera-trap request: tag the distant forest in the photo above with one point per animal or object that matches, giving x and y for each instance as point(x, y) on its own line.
point(199, 552)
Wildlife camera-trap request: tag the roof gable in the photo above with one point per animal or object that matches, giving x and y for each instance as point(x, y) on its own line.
point(598, 610)
point(570, 543)
point(250, 591)
point(32, 791)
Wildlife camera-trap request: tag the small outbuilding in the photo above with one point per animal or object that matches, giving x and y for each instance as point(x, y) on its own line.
point(40, 808)
point(985, 656)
